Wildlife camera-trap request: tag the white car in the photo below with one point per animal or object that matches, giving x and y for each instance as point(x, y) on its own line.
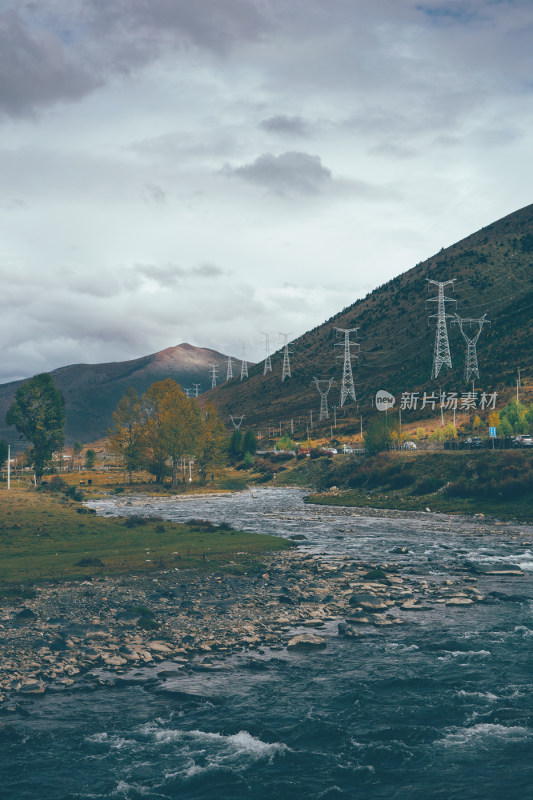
point(409, 446)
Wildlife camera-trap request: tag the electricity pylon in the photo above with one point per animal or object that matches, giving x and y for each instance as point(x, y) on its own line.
point(244, 363)
point(187, 392)
point(323, 392)
point(471, 365)
point(268, 363)
point(229, 371)
point(347, 387)
point(441, 351)
point(196, 389)
point(237, 421)
point(213, 368)
point(286, 369)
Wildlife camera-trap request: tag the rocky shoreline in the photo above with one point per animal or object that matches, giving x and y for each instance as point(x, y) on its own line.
point(86, 633)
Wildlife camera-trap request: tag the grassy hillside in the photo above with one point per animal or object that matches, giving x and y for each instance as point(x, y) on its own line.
point(493, 272)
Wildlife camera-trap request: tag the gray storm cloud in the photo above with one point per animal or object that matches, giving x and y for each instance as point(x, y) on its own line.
point(287, 173)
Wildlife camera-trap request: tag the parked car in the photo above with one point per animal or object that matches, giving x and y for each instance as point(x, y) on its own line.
point(473, 442)
point(347, 449)
point(409, 446)
point(523, 440)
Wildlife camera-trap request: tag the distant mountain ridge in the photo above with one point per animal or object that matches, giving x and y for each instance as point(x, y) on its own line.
point(493, 272)
point(92, 391)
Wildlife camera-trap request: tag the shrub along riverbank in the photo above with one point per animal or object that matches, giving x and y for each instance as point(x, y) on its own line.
point(46, 535)
point(493, 483)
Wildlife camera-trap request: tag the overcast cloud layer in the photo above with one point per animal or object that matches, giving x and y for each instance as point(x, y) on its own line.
point(204, 171)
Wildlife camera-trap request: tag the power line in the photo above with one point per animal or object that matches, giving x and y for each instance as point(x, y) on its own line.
point(441, 352)
point(229, 370)
point(323, 387)
point(286, 369)
point(244, 363)
point(213, 368)
point(347, 387)
point(268, 363)
point(471, 365)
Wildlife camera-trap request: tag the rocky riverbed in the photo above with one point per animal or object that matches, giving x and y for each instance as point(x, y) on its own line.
point(107, 629)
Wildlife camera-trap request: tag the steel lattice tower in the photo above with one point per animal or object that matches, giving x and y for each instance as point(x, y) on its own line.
point(286, 370)
point(229, 371)
point(471, 365)
point(213, 368)
point(441, 352)
point(244, 363)
point(196, 389)
point(268, 363)
point(237, 421)
point(347, 387)
point(323, 392)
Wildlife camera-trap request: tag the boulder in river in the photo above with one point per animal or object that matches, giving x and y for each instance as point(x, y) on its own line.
point(306, 641)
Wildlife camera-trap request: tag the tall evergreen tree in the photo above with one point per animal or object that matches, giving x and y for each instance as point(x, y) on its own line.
point(38, 413)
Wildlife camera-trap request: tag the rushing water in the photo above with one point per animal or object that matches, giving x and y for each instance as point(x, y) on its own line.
point(440, 708)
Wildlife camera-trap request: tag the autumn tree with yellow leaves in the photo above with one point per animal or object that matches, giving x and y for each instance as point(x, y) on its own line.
point(166, 426)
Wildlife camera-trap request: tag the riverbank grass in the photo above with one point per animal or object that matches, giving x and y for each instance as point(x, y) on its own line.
point(493, 484)
point(43, 536)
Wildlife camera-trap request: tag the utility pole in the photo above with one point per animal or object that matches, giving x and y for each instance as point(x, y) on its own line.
point(268, 363)
point(292, 426)
point(471, 365)
point(335, 417)
point(8, 467)
point(311, 417)
point(229, 371)
point(441, 352)
point(323, 387)
point(518, 386)
point(347, 386)
point(196, 388)
point(244, 363)
point(286, 369)
point(213, 368)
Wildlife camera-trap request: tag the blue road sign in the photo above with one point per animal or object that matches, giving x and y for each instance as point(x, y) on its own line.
point(492, 431)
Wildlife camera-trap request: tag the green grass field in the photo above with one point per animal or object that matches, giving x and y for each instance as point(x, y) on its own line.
point(43, 536)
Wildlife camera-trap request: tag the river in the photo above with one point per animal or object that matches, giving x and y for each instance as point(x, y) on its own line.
point(440, 708)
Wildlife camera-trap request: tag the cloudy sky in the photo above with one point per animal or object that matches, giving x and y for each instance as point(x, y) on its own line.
point(205, 170)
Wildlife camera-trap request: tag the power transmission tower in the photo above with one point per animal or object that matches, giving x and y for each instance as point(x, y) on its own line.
point(323, 390)
point(471, 365)
point(347, 387)
point(244, 363)
point(229, 371)
point(237, 421)
point(213, 368)
point(196, 389)
point(286, 370)
point(441, 352)
point(187, 392)
point(268, 363)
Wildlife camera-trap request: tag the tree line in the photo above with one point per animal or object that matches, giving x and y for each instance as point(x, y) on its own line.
point(161, 427)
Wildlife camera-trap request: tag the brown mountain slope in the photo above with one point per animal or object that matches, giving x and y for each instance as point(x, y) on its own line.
point(92, 391)
point(493, 272)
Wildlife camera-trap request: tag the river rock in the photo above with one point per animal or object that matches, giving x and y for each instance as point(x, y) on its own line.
point(367, 601)
point(459, 601)
point(306, 641)
point(346, 631)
